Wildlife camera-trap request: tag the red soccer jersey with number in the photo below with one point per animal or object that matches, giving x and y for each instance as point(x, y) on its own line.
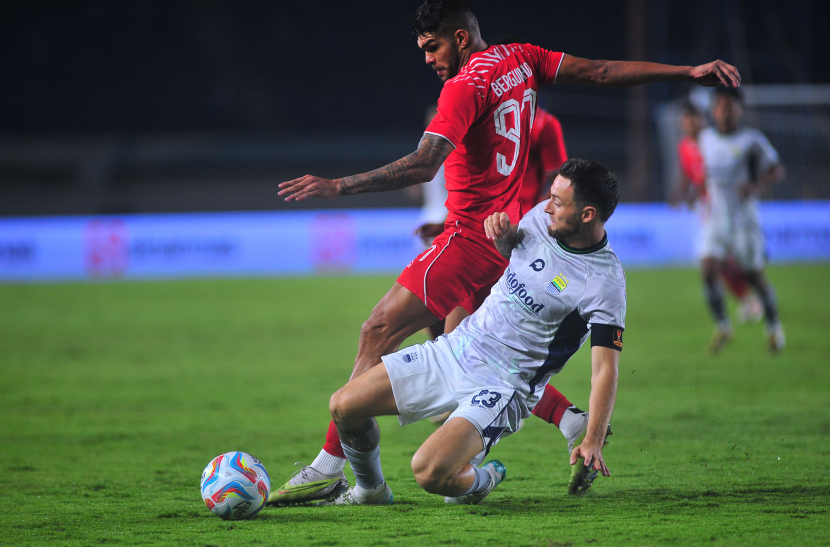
point(486, 112)
point(547, 153)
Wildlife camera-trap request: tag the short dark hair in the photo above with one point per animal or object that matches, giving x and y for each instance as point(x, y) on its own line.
point(439, 16)
point(731, 92)
point(593, 184)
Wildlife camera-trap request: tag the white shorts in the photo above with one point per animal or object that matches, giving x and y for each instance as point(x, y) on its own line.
point(744, 243)
point(427, 380)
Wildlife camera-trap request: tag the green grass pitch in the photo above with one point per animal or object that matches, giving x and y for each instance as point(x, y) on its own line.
point(114, 396)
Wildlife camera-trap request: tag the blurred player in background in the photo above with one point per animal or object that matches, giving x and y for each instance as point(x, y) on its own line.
point(490, 371)
point(692, 190)
point(434, 194)
point(433, 215)
point(740, 163)
point(485, 112)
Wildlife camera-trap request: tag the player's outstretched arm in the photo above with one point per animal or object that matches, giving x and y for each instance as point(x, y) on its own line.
point(419, 166)
point(604, 364)
point(575, 70)
point(498, 228)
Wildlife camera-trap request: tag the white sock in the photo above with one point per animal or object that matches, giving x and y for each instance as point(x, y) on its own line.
point(573, 422)
point(481, 482)
point(328, 464)
point(365, 466)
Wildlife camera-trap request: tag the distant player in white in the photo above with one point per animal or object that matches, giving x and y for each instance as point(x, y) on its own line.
point(563, 283)
point(433, 211)
point(434, 193)
point(740, 163)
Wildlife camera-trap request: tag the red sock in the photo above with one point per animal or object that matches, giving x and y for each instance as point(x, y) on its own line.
point(734, 278)
point(332, 445)
point(552, 406)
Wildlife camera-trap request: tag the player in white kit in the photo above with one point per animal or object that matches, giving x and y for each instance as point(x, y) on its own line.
point(740, 163)
point(563, 283)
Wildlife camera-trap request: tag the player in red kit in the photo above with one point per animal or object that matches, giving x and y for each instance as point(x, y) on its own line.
point(485, 114)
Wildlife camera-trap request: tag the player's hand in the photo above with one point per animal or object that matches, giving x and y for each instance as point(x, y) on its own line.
point(428, 232)
point(747, 190)
point(497, 226)
point(593, 457)
point(309, 186)
point(716, 72)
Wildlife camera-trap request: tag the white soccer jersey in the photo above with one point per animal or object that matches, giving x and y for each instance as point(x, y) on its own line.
point(732, 160)
point(435, 194)
point(538, 314)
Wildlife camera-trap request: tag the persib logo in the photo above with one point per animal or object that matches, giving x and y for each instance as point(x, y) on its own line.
point(520, 293)
point(558, 284)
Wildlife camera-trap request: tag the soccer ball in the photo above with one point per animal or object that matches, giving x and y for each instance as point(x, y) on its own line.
point(235, 486)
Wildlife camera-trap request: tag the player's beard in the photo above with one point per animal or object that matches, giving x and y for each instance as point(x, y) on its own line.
point(452, 64)
point(566, 229)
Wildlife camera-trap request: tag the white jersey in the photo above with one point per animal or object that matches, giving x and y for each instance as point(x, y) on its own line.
point(732, 160)
point(435, 195)
point(538, 313)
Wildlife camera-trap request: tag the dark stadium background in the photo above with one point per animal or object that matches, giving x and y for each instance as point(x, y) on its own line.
point(146, 106)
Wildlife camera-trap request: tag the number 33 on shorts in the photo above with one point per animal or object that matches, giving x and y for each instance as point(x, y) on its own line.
point(486, 398)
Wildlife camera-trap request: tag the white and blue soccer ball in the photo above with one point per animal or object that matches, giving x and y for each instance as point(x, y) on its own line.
point(235, 486)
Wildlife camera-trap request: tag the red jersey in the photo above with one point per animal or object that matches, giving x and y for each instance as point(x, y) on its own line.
point(487, 112)
point(547, 153)
point(691, 162)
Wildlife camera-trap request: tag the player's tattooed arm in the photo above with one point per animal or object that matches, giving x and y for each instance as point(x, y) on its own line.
point(504, 235)
point(419, 166)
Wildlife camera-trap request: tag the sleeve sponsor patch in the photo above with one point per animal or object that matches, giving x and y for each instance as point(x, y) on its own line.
point(607, 336)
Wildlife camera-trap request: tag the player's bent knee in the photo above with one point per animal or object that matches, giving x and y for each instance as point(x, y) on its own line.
point(429, 474)
point(339, 406)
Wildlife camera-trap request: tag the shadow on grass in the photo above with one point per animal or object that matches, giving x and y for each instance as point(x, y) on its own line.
point(812, 500)
point(778, 499)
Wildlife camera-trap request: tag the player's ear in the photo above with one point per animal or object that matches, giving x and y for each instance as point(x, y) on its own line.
point(589, 213)
point(462, 38)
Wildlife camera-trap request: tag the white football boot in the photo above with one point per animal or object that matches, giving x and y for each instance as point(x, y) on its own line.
point(382, 495)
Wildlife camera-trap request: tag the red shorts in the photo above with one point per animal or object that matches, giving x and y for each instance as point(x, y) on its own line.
point(458, 270)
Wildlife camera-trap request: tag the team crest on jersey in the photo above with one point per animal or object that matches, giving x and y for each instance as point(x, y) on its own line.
point(558, 284)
